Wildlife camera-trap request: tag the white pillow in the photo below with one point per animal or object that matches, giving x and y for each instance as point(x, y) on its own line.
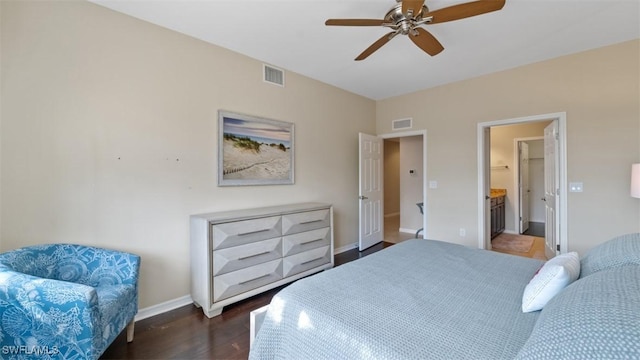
point(553, 276)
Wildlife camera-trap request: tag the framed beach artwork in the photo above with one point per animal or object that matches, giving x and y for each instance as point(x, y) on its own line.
point(254, 150)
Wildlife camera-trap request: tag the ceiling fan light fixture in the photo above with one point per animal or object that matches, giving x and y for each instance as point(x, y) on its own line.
point(404, 19)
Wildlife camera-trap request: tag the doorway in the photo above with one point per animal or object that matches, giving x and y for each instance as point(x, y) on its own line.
point(558, 233)
point(529, 180)
point(403, 190)
point(409, 218)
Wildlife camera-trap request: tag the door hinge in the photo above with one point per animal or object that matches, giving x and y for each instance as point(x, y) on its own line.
point(558, 247)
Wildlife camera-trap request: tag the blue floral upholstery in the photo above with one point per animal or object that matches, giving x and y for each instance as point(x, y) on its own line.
point(64, 301)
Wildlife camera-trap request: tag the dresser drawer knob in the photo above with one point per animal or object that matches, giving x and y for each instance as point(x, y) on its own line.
point(310, 261)
point(252, 256)
point(310, 222)
point(254, 279)
point(311, 241)
point(253, 232)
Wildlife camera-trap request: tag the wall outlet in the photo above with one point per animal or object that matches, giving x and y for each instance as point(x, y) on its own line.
point(463, 232)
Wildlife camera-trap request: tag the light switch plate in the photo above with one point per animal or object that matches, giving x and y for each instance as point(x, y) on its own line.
point(575, 187)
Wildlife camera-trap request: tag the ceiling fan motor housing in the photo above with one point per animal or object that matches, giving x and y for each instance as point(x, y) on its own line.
point(405, 23)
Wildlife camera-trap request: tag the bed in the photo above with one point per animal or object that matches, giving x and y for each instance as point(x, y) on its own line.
point(425, 299)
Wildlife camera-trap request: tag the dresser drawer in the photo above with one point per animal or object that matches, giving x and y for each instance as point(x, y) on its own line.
point(306, 260)
point(242, 256)
point(300, 242)
point(234, 283)
point(243, 232)
point(305, 221)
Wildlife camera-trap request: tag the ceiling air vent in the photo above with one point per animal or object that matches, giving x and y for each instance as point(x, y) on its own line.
point(402, 124)
point(273, 75)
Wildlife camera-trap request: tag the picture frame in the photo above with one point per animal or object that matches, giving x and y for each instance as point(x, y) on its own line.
point(254, 151)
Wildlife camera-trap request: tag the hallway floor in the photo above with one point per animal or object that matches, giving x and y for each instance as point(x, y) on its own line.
point(536, 251)
point(392, 233)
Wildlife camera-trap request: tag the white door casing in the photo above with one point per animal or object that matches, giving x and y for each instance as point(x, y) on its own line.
point(523, 185)
point(551, 189)
point(486, 191)
point(423, 134)
point(561, 211)
point(371, 191)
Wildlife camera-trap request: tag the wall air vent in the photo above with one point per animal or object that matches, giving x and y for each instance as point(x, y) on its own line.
point(273, 75)
point(402, 124)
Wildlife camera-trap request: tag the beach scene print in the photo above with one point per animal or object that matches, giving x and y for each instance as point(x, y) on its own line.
point(256, 150)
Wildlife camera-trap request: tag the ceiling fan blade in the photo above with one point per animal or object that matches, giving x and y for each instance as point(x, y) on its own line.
point(465, 10)
point(426, 42)
point(354, 22)
point(414, 5)
point(376, 45)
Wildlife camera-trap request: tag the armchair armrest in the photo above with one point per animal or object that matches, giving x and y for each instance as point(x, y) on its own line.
point(46, 315)
point(108, 267)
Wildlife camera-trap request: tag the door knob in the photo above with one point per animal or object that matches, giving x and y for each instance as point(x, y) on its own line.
point(361, 197)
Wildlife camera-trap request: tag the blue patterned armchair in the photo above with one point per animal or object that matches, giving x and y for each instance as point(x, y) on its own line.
point(63, 301)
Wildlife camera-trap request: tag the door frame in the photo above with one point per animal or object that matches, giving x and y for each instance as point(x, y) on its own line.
point(516, 175)
point(483, 168)
point(424, 167)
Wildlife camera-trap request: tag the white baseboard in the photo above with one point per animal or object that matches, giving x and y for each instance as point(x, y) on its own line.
point(163, 307)
point(409, 231)
point(342, 249)
point(511, 232)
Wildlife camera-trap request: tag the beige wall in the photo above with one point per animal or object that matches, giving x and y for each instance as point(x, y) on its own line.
point(599, 91)
point(109, 138)
point(502, 154)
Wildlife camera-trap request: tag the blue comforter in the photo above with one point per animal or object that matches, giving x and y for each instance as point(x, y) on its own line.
point(420, 299)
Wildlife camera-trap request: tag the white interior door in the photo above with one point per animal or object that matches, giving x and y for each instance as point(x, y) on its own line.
point(524, 188)
point(371, 191)
point(551, 190)
point(486, 173)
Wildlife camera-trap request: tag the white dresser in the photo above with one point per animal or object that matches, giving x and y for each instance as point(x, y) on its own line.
point(238, 254)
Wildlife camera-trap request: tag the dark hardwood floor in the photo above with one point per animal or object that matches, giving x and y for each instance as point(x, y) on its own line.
point(186, 333)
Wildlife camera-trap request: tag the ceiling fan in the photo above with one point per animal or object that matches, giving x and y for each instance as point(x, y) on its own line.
point(407, 16)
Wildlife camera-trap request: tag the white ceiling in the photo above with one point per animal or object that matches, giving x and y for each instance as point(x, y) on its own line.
point(291, 34)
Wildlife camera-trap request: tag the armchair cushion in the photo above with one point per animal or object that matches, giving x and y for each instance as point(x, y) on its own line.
point(65, 301)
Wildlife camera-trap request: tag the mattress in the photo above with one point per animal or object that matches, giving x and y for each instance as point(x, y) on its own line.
point(417, 299)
